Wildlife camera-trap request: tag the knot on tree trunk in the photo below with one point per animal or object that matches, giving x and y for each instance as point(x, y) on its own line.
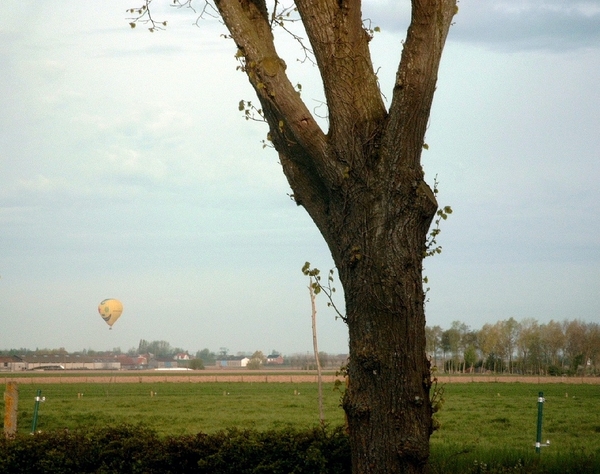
point(426, 200)
point(413, 450)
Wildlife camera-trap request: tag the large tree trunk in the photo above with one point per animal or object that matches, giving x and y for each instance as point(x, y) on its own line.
point(362, 184)
point(387, 401)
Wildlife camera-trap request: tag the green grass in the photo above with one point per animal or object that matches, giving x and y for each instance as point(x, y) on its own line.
point(485, 427)
point(178, 408)
point(504, 415)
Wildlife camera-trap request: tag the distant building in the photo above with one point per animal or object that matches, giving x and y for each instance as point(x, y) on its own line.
point(233, 361)
point(182, 356)
point(70, 362)
point(12, 364)
point(132, 363)
point(275, 359)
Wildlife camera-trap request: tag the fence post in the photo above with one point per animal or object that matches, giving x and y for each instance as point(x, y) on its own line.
point(11, 402)
point(538, 441)
point(38, 399)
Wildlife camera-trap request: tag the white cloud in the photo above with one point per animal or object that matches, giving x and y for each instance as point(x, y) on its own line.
point(514, 25)
point(508, 25)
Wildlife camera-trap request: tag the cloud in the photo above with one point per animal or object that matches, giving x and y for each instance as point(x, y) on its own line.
point(507, 24)
point(527, 25)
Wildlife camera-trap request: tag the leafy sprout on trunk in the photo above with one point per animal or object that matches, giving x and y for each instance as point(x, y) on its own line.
point(327, 289)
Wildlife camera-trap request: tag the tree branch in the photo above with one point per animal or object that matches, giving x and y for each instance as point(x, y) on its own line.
point(251, 31)
point(302, 145)
point(342, 54)
point(416, 79)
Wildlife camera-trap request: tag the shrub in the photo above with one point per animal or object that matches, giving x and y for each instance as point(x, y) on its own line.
point(554, 370)
point(136, 449)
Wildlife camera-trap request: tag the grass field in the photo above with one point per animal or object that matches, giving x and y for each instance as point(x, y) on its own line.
point(477, 419)
point(497, 422)
point(178, 408)
point(501, 414)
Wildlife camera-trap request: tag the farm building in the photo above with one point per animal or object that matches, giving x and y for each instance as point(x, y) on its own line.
point(275, 359)
point(12, 364)
point(70, 362)
point(132, 363)
point(162, 363)
point(233, 361)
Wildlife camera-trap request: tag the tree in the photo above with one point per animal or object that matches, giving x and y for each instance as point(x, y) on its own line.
point(158, 348)
point(470, 357)
point(208, 357)
point(593, 344)
point(509, 330)
point(528, 345)
point(196, 364)
point(575, 344)
point(362, 184)
point(553, 341)
point(451, 344)
point(314, 289)
point(484, 342)
point(434, 342)
point(256, 361)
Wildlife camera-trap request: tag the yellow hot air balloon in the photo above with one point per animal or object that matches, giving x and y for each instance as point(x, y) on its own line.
point(110, 310)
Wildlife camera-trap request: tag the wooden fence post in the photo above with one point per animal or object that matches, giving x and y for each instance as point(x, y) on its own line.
point(11, 402)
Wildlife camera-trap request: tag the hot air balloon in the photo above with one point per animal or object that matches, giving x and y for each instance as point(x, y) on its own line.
point(110, 310)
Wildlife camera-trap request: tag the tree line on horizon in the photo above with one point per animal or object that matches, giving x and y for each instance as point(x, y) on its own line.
point(526, 347)
point(570, 347)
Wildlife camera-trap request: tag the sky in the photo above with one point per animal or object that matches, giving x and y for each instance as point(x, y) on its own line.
point(128, 172)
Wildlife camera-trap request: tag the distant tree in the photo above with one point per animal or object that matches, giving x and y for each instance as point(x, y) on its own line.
point(208, 357)
point(161, 349)
point(466, 338)
point(488, 338)
point(529, 346)
point(132, 352)
point(470, 358)
point(509, 331)
point(433, 336)
point(324, 359)
point(256, 361)
point(196, 364)
point(143, 346)
point(575, 344)
point(552, 343)
point(593, 341)
point(451, 345)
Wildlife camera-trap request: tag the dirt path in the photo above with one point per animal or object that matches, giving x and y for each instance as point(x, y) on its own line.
point(516, 379)
point(169, 378)
point(208, 377)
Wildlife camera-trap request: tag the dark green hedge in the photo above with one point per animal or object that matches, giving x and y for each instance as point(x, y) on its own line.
point(136, 449)
point(127, 449)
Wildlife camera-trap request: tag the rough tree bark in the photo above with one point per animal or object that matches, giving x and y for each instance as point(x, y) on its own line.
point(362, 184)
